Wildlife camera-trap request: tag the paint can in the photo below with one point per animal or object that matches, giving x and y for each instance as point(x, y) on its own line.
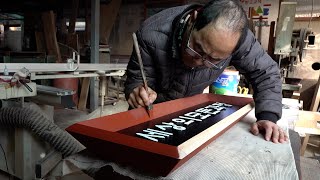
point(226, 83)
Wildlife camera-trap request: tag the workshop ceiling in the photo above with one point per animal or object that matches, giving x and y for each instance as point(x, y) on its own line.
point(20, 7)
point(17, 6)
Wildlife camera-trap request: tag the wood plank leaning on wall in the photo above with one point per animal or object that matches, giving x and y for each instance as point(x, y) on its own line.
point(108, 16)
point(49, 28)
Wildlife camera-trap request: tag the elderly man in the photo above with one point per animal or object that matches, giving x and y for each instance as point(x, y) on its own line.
point(184, 49)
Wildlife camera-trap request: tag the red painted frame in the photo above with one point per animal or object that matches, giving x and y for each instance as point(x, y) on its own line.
point(103, 135)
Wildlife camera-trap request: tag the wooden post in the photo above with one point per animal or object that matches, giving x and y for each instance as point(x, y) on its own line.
point(84, 94)
point(271, 39)
point(49, 28)
point(88, 23)
point(304, 144)
point(40, 42)
point(260, 29)
point(94, 58)
point(316, 98)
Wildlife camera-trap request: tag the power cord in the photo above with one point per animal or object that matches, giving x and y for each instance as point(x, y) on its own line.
point(5, 158)
point(311, 13)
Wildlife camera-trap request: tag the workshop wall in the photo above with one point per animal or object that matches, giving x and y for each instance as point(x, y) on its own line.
point(128, 21)
point(132, 14)
point(262, 13)
point(267, 9)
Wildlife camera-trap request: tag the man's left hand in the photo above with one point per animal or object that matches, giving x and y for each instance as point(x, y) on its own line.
point(272, 131)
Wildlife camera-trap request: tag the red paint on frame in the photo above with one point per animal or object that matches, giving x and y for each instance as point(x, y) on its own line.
point(104, 136)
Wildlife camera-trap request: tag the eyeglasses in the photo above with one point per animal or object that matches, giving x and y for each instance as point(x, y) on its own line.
point(205, 58)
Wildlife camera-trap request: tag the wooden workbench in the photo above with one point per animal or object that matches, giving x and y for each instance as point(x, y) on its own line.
point(306, 125)
point(236, 154)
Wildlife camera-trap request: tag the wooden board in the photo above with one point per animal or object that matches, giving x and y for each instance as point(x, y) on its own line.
point(113, 134)
point(40, 42)
point(49, 28)
point(307, 124)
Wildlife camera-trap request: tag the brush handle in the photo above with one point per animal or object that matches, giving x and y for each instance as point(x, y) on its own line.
point(136, 47)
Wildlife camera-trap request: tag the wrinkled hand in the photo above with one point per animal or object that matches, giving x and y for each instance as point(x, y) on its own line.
point(272, 131)
point(140, 97)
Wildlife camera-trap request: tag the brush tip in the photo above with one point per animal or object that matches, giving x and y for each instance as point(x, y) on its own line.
point(150, 107)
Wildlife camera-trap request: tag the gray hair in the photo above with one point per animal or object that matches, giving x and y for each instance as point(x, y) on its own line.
point(225, 14)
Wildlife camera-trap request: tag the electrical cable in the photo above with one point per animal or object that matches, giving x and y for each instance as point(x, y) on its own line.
point(68, 47)
point(5, 158)
point(78, 55)
point(311, 13)
point(40, 125)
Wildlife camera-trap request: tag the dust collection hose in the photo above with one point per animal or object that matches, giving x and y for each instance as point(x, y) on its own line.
point(41, 126)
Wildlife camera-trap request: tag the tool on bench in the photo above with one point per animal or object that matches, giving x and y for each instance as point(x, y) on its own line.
point(136, 47)
point(20, 77)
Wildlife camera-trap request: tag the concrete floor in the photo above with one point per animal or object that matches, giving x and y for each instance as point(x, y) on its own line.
point(67, 117)
point(310, 168)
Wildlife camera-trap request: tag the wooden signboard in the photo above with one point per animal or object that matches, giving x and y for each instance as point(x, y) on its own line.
point(158, 145)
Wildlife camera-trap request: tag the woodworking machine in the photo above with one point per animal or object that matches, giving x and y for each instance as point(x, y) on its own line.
point(31, 143)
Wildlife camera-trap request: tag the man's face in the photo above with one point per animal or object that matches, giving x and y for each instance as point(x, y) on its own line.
point(209, 47)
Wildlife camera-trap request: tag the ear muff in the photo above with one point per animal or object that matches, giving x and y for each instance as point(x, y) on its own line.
point(179, 25)
point(182, 27)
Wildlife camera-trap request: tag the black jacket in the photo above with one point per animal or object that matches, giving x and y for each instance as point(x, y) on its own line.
point(171, 79)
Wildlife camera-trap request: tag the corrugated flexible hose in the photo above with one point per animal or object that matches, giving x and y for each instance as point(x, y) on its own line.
point(41, 126)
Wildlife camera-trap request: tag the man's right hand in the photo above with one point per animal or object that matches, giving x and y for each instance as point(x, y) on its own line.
point(141, 98)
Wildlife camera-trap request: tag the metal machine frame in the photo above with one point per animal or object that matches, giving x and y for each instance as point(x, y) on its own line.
point(29, 157)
